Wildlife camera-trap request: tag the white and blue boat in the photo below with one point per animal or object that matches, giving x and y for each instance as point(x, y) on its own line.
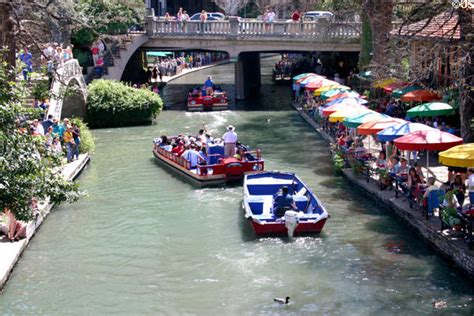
point(260, 190)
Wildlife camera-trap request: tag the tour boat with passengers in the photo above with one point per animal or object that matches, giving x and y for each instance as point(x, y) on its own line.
point(215, 168)
point(199, 101)
point(260, 193)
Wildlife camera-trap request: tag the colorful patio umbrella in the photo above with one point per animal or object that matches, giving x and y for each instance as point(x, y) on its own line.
point(431, 109)
point(308, 79)
point(396, 85)
point(428, 140)
point(347, 101)
point(458, 156)
point(375, 126)
point(314, 84)
point(344, 94)
point(355, 121)
point(397, 93)
point(420, 96)
point(327, 94)
point(393, 132)
point(340, 115)
point(344, 104)
point(329, 86)
point(384, 82)
point(306, 74)
point(431, 139)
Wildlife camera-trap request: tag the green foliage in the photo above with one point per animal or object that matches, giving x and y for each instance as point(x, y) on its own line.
point(84, 57)
point(104, 17)
point(83, 37)
point(28, 169)
point(41, 90)
point(112, 103)
point(448, 212)
point(366, 43)
point(338, 162)
point(87, 140)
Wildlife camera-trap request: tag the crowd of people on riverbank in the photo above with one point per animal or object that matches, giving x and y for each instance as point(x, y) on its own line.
point(393, 168)
point(58, 136)
point(53, 55)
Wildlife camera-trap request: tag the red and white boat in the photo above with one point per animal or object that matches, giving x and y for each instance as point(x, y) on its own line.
point(216, 170)
point(259, 193)
point(200, 102)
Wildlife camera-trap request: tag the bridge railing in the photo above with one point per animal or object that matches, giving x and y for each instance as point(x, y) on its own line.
point(242, 28)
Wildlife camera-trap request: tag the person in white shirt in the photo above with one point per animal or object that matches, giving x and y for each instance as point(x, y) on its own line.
point(230, 140)
point(193, 156)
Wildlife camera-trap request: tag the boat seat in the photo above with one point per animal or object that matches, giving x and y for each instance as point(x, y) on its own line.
point(301, 192)
point(301, 202)
point(262, 204)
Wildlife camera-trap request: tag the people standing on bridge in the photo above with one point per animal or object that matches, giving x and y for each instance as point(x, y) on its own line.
point(295, 18)
point(179, 20)
point(203, 19)
point(230, 140)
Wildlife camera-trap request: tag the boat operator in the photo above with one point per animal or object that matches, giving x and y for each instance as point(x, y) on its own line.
point(230, 140)
point(283, 202)
point(209, 86)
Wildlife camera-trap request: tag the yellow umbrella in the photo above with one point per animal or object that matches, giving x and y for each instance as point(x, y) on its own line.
point(340, 115)
point(384, 82)
point(329, 87)
point(458, 156)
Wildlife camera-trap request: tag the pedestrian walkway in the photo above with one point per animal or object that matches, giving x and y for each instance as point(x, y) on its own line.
point(446, 242)
point(10, 252)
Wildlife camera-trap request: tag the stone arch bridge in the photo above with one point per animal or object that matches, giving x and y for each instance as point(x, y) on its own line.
point(243, 40)
point(68, 91)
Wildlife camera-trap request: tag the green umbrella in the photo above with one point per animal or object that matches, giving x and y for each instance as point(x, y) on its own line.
point(397, 93)
point(355, 121)
point(431, 109)
point(327, 94)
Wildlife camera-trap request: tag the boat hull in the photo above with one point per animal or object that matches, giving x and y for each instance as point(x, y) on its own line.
point(279, 229)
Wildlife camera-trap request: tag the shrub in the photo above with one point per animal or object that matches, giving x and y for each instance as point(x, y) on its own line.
point(87, 140)
point(112, 103)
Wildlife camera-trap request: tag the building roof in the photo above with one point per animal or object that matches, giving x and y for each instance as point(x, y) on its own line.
point(444, 25)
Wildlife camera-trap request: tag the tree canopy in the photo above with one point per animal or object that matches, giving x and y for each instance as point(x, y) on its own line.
point(28, 169)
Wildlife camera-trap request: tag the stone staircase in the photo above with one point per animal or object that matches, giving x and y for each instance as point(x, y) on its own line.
point(119, 49)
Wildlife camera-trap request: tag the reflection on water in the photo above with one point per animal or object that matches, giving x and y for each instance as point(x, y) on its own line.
point(146, 242)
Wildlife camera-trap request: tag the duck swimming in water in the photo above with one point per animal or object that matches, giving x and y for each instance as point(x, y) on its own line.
point(285, 300)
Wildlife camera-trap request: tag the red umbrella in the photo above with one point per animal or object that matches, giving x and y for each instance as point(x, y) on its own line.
point(396, 85)
point(420, 96)
point(431, 139)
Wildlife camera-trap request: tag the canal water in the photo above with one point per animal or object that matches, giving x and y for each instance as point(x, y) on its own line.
point(146, 242)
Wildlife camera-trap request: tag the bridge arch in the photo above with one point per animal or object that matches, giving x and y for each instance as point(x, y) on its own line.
point(68, 91)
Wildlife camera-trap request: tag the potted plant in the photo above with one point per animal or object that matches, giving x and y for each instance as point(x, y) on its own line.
point(448, 212)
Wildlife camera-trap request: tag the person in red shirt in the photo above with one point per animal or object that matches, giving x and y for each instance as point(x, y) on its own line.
point(95, 54)
point(295, 18)
point(179, 149)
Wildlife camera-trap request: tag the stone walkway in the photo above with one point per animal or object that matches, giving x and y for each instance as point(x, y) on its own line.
point(446, 242)
point(10, 252)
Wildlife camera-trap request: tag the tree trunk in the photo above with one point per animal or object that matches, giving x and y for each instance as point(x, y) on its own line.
point(7, 35)
point(466, 108)
point(380, 17)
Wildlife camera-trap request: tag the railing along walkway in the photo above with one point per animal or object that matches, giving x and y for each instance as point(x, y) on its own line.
point(321, 30)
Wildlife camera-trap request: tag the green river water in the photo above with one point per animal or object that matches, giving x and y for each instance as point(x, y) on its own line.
point(146, 242)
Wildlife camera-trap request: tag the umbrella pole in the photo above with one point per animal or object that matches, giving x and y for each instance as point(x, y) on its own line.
point(427, 163)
